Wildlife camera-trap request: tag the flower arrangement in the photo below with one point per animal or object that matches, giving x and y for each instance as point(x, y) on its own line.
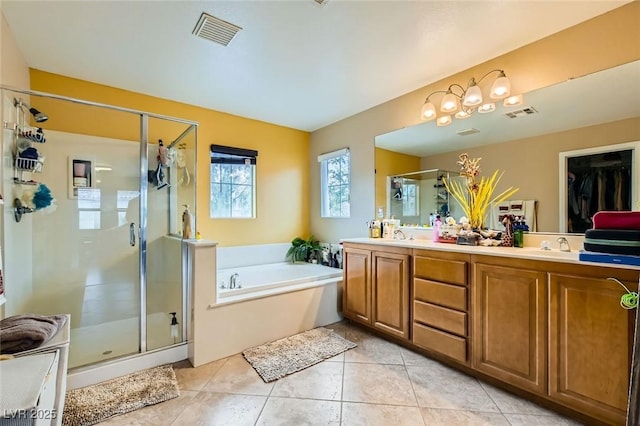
point(477, 196)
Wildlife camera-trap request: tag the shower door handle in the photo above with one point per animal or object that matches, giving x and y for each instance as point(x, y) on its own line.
point(132, 234)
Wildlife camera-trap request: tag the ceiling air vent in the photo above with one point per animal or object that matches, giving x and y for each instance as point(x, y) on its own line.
point(521, 112)
point(215, 29)
point(467, 132)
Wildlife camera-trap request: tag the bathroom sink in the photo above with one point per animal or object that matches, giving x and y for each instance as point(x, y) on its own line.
point(553, 253)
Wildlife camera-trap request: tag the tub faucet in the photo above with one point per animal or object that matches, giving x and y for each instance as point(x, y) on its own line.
point(232, 280)
point(564, 244)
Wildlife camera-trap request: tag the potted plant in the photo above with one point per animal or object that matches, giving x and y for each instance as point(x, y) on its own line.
point(302, 250)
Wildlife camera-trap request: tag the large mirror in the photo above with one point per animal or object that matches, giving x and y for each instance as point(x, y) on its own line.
point(526, 141)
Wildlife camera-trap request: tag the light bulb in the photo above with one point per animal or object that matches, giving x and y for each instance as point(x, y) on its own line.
point(449, 102)
point(462, 114)
point(444, 120)
point(501, 88)
point(488, 107)
point(512, 101)
point(428, 111)
point(473, 96)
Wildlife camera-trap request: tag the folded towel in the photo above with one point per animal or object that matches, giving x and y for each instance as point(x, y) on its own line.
point(23, 332)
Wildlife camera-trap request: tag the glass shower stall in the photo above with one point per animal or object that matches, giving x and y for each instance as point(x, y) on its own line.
point(93, 200)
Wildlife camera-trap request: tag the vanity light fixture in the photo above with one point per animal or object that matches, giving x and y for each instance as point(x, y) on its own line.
point(463, 102)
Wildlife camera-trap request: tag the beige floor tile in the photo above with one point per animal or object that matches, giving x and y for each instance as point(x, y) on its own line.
point(237, 376)
point(338, 358)
point(340, 328)
point(360, 414)
point(377, 384)
point(439, 386)
point(439, 417)
point(533, 420)
point(371, 349)
point(511, 404)
point(221, 409)
point(299, 412)
point(162, 414)
point(413, 358)
point(321, 381)
point(195, 378)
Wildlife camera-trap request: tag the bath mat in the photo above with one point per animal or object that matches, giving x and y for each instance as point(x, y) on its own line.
point(282, 357)
point(96, 403)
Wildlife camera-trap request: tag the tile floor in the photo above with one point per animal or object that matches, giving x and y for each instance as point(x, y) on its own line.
point(376, 384)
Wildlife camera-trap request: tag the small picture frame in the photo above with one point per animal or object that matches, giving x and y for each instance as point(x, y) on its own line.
point(81, 175)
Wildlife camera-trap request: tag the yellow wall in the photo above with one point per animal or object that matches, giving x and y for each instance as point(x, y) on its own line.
point(282, 172)
point(391, 163)
point(600, 43)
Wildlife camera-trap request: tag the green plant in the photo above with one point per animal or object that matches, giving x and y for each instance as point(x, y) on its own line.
point(304, 250)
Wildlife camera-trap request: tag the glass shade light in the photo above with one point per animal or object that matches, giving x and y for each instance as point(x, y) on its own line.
point(462, 114)
point(449, 102)
point(488, 107)
point(512, 101)
point(461, 102)
point(501, 88)
point(443, 120)
point(428, 111)
point(473, 96)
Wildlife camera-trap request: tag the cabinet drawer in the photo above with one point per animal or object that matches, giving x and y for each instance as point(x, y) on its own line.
point(448, 271)
point(441, 342)
point(451, 296)
point(442, 318)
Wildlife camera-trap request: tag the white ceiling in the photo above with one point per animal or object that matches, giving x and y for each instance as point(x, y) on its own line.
point(294, 63)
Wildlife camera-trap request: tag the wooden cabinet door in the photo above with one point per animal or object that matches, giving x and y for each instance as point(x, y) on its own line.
point(391, 293)
point(509, 325)
point(591, 338)
point(356, 296)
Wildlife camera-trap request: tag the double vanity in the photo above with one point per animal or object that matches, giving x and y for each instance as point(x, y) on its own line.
point(541, 324)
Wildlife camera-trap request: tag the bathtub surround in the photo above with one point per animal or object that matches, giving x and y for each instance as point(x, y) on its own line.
point(275, 360)
point(220, 328)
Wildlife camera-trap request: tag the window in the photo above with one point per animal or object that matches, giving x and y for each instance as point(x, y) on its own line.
point(410, 200)
point(88, 208)
point(335, 183)
point(233, 182)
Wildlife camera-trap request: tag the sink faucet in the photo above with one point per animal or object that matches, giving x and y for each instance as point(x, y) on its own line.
point(564, 244)
point(232, 280)
point(399, 235)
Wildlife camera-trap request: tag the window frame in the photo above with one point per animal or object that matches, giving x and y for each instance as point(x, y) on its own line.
point(325, 205)
point(226, 155)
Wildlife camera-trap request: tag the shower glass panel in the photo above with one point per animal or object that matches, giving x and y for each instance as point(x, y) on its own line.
point(104, 253)
point(171, 165)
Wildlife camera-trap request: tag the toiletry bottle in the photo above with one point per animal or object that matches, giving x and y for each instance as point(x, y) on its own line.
point(186, 222)
point(375, 229)
point(386, 229)
point(436, 228)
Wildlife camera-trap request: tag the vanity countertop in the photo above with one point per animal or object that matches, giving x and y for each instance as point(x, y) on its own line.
point(532, 253)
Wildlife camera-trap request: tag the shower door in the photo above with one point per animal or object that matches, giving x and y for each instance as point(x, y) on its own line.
point(107, 251)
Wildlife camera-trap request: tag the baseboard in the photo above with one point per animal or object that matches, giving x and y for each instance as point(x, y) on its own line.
point(85, 376)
